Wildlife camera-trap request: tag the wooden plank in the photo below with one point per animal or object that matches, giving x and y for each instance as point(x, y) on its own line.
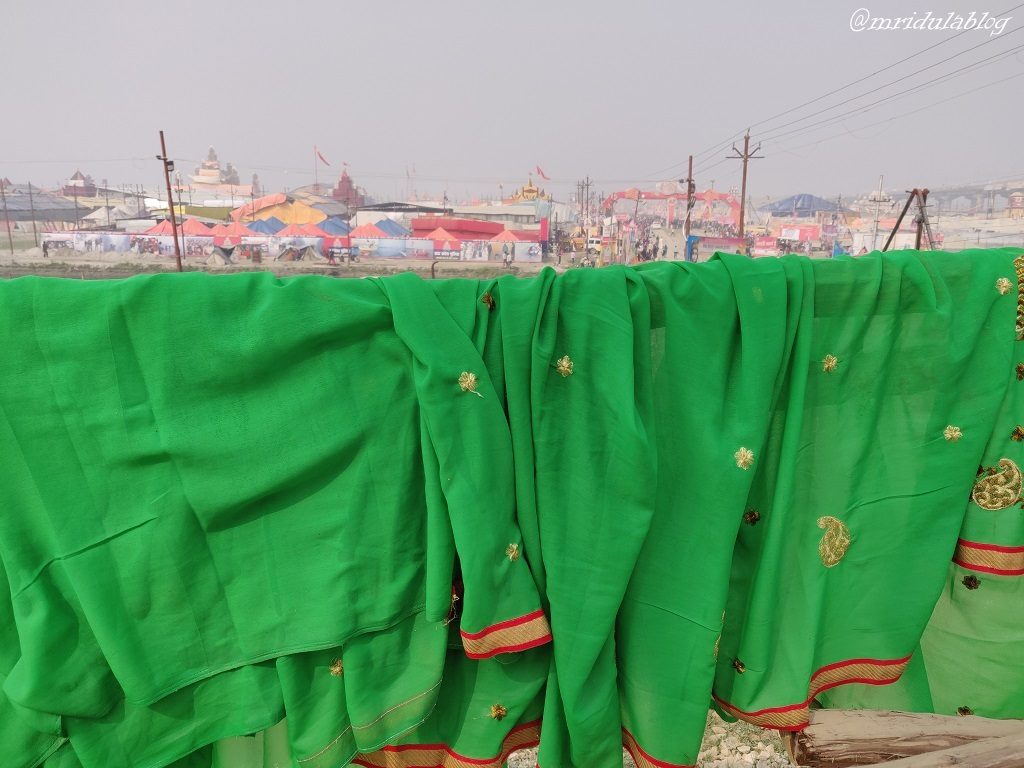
point(848, 738)
point(1004, 752)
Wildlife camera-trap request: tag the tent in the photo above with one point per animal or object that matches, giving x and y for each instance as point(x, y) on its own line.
point(311, 230)
point(163, 228)
point(392, 228)
point(292, 230)
point(269, 226)
point(219, 230)
point(335, 225)
point(800, 206)
point(445, 243)
point(193, 228)
point(368, 231)
point(505, 237)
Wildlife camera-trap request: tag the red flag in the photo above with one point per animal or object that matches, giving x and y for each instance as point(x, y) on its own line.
point(540, 172)
point(320, 155)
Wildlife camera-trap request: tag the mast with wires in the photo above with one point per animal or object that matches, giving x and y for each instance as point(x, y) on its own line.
point(745, 156)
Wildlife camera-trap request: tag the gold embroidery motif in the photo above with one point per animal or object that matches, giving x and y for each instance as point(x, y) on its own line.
point(739, 666)
point(952, 434)
point(998, 488)
point(744, 458)
point(971, 581)
point(498, 712)
point(964, 711)
point(1018, 434)
point(337, 668)
point(564, 366)
point(512, 552)
point(751, 516)
point(1003, 285)
point(717, 641)
point(488, 300)
point(1020, 370)
point(1018, 266)
point(829, 363)
point(468, 382)
point(835, 542)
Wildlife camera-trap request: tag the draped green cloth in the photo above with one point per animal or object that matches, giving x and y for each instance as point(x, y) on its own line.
point(253, 522)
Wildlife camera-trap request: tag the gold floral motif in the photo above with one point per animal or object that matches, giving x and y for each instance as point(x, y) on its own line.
point(998, 487)
point(1020, 371)
point(488, 300)
point(1018, 434)
point(512, 552)
point(835, 542)
point(952, 434)
point(971, 581)
point(337, 668)
point(964, 711)
point(739, 666)
point(1018, 266)
point(564, 366)
point(1003, 285)
point(829, 363)
point(498, 712)
point(468, 382)
point(751, 516)
point(744, 458)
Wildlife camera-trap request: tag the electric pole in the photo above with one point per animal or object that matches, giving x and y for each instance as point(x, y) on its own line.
point(7, 218)
point(745, 156)
point(32, 210)
point(168, 167)
point(690, 189)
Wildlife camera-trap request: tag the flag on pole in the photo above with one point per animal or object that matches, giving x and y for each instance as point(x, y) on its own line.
point(540, 172)
point(320, 155)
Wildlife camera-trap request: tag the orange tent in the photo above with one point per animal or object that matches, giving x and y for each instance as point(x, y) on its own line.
point(444, 240)
point(368, 230)
point(163, 228)
point(312, 230)
point(292, 230)
point(194, 228)
point(505, 237)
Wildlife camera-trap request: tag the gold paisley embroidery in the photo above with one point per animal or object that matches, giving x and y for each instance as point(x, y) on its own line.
point(835, 542)
point(1018, 266)
point(998, 488)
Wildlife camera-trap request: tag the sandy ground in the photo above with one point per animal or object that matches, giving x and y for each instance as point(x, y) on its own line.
point(726, 745)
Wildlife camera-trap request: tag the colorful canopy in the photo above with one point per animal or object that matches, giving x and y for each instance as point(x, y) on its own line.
point(508, 236)
point(194, 228)
point(163, 228)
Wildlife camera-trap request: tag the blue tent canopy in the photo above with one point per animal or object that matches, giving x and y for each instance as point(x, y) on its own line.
point(334, 225)
point(392, 228)
point(269, 226)
point(801, 205)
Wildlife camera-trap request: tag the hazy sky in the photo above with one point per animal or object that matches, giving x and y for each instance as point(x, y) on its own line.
point(475, 94)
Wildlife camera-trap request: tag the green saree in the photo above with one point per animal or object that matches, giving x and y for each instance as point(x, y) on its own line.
point(252, 522)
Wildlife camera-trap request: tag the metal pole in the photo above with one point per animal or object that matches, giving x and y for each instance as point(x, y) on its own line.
point(106, 197)
point(899, 220)
point(170, 198)
point(745, 156)
point(7, 220)
point(32, 208)
point(878, 202)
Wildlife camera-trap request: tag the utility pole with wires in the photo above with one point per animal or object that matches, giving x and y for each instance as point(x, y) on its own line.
point(32, 211)
point(7, 218)
point(878, 198)
point(691, 188)
point(745, 156)
point(168, 167)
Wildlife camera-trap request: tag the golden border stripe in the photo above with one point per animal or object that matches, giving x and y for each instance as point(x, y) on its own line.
point(641, 758)
point(1018, 266)
point(989, 558)
point(509, 636)
point(794, 717)
point(442, 756)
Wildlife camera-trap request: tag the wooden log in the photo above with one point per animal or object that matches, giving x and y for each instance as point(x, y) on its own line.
point(1003, 752)
point(847, 738)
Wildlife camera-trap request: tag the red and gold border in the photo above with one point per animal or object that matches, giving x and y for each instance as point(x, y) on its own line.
point(509, 636)
point(795, 716)
point(641, 758)
point(443, 756)
point(989, 558)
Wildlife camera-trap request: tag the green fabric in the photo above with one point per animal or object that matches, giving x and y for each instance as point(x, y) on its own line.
point(215, 488)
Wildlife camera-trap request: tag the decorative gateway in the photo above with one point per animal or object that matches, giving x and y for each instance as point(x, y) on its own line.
point(406, 523)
